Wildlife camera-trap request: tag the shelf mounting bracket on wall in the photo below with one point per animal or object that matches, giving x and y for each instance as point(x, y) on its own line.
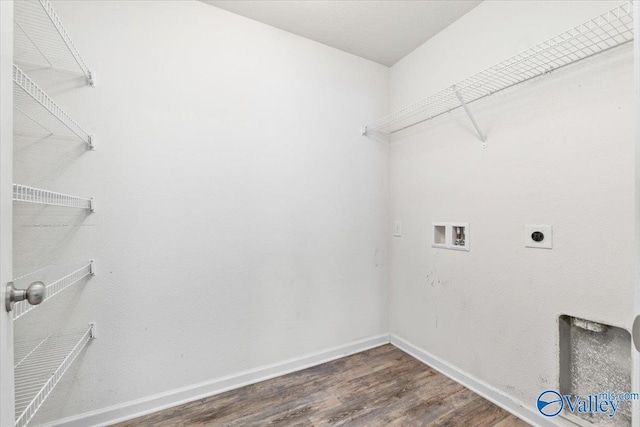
point(468, 111)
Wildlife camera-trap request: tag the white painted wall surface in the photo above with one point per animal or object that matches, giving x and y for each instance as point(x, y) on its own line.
point(241, 218)
point(561, 152)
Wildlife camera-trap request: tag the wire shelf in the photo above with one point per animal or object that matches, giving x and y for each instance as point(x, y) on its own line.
point(23, 193)
point(39, 366)
point(611, 29)
point(33, 102)
point(20, 308)
point(40, 39)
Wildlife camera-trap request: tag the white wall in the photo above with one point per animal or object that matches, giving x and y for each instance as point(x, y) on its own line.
point(560, 151)
point(241, 217)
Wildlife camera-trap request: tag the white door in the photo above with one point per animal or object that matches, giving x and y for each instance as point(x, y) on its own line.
point(7, 417)
point(635, 380)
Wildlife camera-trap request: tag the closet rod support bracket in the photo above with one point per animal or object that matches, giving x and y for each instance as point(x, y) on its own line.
point(94, 333)
point(473, 120)
point(92, 204)
point(92, 267)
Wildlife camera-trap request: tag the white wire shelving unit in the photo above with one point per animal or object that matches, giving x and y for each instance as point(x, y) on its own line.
point(40, 365)
point(31, 101)
point(23, 193)
point(41, 40)
point(20, 308)
point(604, 32)
point(41, 43)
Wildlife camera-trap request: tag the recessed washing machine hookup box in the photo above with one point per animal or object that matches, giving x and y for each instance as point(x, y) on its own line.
point(451, 235)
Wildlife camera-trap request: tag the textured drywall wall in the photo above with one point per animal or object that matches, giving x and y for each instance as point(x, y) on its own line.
point(560, 152)
point(240, 216)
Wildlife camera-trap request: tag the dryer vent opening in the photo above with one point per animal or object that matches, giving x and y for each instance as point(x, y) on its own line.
point(595, 358)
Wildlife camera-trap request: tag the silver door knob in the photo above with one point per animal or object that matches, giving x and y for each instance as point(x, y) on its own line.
point(636, 333)
point(34, 294)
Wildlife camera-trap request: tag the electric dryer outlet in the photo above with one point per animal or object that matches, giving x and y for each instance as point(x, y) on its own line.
point(538, 236)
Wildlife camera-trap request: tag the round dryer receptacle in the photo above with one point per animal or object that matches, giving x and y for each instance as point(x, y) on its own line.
point(537, 236)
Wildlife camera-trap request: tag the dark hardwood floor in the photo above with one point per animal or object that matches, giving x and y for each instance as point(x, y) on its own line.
point(379, 387)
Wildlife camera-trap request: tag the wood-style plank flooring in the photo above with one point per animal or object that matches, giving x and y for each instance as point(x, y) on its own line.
point(379, 387)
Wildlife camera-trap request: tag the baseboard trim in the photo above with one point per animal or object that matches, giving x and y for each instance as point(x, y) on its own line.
point(140, 407)
point(480, 387)
point(137, 408)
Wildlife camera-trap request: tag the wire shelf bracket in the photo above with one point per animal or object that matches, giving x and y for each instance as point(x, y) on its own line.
point(40, 368)
point(41, 39)
point(21, 308)
point(607, 31)
point(473, 120)
point(37, 105)
point(23, 193)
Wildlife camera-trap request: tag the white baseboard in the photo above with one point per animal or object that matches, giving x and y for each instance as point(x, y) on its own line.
point(480, 387)
point(137, 408)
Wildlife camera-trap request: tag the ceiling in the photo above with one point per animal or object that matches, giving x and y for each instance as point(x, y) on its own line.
point(382, 31)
